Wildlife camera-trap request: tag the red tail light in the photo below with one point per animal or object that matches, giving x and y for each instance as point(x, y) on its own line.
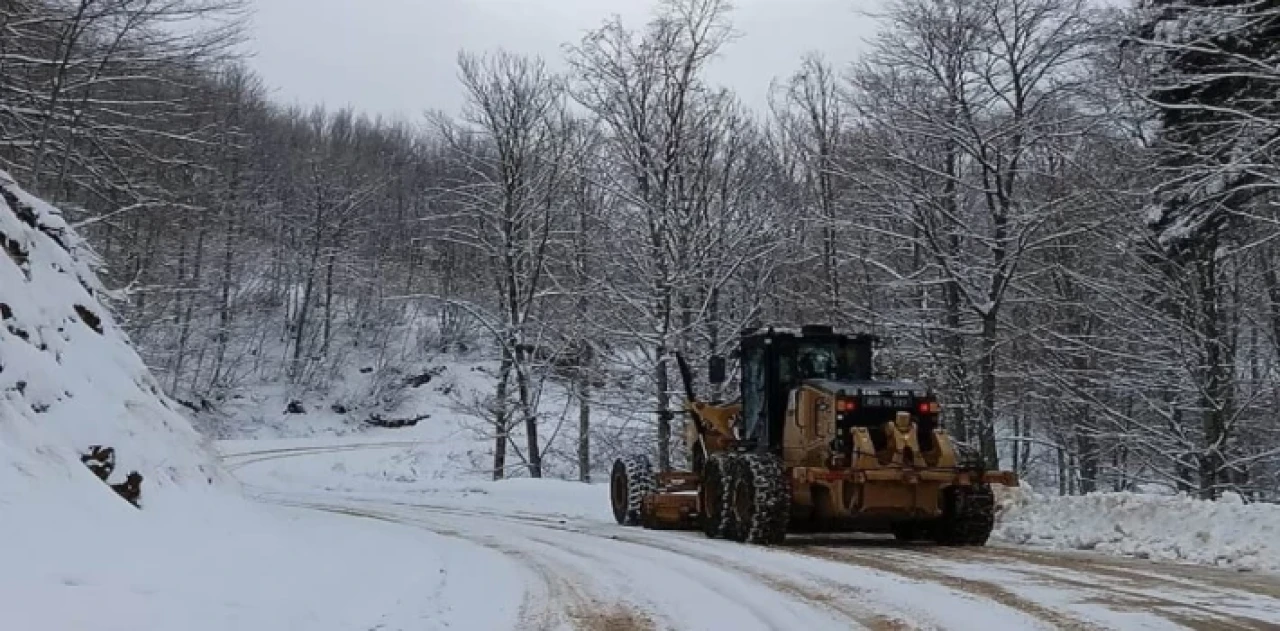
point(846, 405)
point(928, 407)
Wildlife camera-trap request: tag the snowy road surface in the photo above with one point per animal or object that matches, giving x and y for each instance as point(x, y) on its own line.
point(546, 555)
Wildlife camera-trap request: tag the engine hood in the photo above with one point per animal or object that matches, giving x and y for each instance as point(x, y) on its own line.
point(856, 388)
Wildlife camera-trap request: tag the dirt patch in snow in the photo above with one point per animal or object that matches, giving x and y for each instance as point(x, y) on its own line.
point(615, 618)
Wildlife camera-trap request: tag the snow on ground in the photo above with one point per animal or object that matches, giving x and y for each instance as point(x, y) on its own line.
point(1225, 533)
point(573, 559)
point(213, 562)
point(578, 563)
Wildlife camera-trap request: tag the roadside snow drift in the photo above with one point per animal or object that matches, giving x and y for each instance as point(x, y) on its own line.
point(1225, 533)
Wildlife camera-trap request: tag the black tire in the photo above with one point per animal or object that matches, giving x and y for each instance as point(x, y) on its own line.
point(715, 495)
point(761, 499)
point(969, 516)
point(629, 483)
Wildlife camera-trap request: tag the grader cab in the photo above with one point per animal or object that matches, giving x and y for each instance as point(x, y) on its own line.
point(814, 443)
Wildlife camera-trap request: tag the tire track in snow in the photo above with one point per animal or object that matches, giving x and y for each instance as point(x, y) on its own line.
point(1174, 575)
point(748, 604)
point(920, 564)
point(809, 592)
point(914, 569)
point(558, 601)
point(609, 554)
point(240, 460)
point(844, 597)
point(1195, 604)
point(1191, 595)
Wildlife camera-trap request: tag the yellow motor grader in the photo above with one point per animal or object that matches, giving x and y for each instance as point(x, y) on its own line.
point(813, 444)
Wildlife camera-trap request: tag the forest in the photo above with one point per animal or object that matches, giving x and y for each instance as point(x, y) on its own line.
point(1062, 214)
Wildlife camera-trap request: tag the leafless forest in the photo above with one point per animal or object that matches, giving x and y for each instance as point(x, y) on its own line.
point(1062, 215)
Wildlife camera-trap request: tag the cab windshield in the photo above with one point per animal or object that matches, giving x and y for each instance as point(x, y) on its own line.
point(834, 362)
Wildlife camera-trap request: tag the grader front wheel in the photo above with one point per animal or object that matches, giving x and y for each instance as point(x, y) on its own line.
point(968, 518)
point(715, 495)
point(631, 479)
point(761, 499)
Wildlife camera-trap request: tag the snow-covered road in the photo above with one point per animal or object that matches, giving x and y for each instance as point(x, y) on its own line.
point(544, 555)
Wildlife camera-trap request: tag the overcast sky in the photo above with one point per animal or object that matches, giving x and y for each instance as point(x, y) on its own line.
point(397, 57)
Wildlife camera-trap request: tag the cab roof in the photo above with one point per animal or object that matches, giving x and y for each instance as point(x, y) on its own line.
point(809, 331)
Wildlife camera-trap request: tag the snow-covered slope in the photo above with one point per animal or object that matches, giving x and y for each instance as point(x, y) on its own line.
point(198, 556)
point(1226, 533)
point(68, 376)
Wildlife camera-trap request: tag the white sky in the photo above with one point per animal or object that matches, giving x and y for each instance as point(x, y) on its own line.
point(397, 57)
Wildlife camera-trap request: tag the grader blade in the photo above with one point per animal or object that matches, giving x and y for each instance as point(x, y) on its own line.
point(674, 506)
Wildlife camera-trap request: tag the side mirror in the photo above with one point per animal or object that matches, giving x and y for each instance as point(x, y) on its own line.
point(716, 370)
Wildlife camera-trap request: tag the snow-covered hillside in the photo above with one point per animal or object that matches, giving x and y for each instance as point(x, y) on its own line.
point(69, 377)
point(197, 556)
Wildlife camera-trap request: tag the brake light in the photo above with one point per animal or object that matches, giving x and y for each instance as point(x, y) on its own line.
point(929, 407)
point(846, 405)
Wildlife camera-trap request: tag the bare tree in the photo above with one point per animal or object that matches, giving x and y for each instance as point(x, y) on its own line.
point(513, 141)
point(968, 100)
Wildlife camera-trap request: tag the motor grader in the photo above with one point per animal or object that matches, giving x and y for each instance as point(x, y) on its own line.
point(814, 443)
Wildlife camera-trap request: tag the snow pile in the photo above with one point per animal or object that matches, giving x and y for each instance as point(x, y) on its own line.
point(1225, 533)
point(69, 378)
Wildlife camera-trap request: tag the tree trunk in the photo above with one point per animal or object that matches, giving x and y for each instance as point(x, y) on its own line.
point(584, 413)
point(1216, 386)
point(304, 309)
point(328, 304)
point(530, 414)
point(1272, 280)
point(987, 425)
point(957, 375)
point(1062, 471)
point(223, 337)
point(1087, 447)
point(661, 382)
point(501, 418)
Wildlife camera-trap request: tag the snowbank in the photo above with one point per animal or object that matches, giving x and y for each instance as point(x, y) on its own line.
point(1225, 533)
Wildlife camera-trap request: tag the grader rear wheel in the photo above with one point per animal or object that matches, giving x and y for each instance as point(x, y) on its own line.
point(631, 479)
